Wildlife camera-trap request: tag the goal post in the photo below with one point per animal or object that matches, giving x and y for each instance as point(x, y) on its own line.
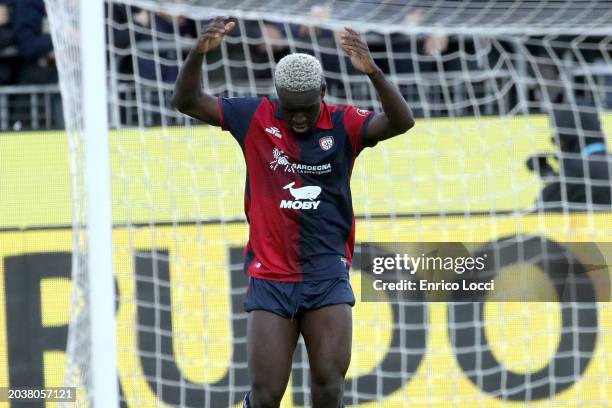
point(503, 94)
point(80, 50)
point(104, 374)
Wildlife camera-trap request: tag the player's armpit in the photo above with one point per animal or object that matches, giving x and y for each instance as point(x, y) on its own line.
point(188, 97)
point(204, 108)
point(379, 129)
point(397, 118)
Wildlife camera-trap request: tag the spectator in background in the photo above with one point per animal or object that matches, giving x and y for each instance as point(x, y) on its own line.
point(120, 39)
point(546, 54)
point(33, 41)
point(6, 32)
point(35, 56)
point(117, 17)
point(328, 44)
point(583, 161)
point(408, 54)
point(268, 41)
point(166, 59)
point(325, 38)
point(158, 52)
point(7, 37)
point(429, 52)
point(272, 47)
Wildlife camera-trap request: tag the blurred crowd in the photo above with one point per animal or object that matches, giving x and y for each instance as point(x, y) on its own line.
point(144, 45)
point(26, 49)
point(257, 44)
point(261, 42)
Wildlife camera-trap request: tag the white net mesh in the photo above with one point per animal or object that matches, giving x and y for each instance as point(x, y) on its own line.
point(489, 82)
point(65, 14)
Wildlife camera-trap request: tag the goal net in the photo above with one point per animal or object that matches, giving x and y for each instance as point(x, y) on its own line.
point(512, 101)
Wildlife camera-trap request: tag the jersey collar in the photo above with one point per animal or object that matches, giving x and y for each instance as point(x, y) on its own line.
point(324, 121)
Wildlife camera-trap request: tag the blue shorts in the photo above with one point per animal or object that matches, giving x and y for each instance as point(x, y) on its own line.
point(287, 299)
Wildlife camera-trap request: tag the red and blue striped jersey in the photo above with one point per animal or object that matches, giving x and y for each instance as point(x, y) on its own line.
point(297, 194)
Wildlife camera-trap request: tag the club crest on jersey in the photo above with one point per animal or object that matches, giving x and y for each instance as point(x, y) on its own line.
point(303, 197)
point(326, 142)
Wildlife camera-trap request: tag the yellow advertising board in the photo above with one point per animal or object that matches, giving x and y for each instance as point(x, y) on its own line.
point(199, 297)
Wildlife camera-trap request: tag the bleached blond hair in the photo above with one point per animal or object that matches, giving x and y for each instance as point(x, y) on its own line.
point(298, 73)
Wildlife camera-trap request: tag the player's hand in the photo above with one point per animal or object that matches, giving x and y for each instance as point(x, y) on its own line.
point(436, 45)
point(358, 50)
point(213, 34)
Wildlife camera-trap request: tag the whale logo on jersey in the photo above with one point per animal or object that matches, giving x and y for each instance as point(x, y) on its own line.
point(304, 197)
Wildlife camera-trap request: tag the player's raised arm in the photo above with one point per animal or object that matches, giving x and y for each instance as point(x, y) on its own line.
point(188, 97)
point(397, 117)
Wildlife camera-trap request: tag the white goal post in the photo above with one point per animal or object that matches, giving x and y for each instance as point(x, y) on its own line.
point(99, 212)
point(81, 58)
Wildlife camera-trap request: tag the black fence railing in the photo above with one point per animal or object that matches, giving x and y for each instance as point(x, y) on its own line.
point(451, 94)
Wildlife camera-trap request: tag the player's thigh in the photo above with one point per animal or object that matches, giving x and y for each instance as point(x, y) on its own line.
point(328, 335)
point(271, 341)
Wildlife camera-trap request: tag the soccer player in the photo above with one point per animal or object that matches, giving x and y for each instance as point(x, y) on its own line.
point(299, 153)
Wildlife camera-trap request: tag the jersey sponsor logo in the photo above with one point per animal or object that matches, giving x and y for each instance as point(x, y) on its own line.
point(282, 160)
point(274, 131)
point(362, 112)
point(326, 142)
point(303, 197)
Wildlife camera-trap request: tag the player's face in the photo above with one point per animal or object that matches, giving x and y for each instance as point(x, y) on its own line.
point(301, 109)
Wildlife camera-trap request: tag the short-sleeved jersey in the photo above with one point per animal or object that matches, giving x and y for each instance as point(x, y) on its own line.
point(297, 195)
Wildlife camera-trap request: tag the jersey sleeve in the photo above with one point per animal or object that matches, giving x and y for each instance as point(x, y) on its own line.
point(356, 123)
point(236, 114)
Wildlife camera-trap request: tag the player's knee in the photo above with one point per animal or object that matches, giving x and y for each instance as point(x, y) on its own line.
point(265, 397)
point(328, 388)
